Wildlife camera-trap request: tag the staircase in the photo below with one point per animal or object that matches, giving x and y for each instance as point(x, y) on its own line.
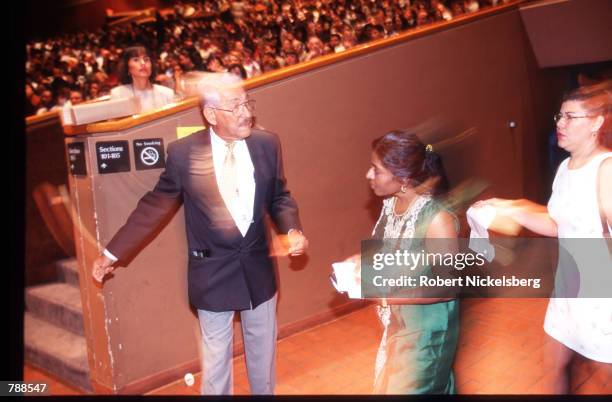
point(53, 328)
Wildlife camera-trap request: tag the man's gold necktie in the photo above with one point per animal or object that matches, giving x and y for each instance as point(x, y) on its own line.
point(229, 180)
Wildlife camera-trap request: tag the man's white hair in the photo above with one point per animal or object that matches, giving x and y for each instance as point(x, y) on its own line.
point(209, 86)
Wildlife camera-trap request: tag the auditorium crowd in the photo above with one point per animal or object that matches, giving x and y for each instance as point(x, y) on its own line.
point(247, 37)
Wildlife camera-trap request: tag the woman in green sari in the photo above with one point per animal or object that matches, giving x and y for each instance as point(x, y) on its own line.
point(420, 337)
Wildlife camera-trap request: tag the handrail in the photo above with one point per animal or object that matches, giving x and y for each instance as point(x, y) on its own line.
point(52, 115)
point(290, 71)
point(39, 118)
point(370, 47)
point(131, 121)
point(133, 16)
point(42, 120)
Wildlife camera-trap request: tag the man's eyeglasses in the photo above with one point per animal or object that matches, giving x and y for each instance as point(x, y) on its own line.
point(569, 117)
point(236, 110)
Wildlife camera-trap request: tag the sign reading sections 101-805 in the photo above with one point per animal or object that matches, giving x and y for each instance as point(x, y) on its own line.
point(113, 156)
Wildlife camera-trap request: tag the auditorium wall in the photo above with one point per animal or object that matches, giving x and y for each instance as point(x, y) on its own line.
point(473, 90)
point(49, 18)
point(467, 84)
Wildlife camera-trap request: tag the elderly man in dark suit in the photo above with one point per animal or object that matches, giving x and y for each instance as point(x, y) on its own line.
point(229, 177)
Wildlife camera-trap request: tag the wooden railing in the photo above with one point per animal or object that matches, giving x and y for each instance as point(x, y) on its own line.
point(138, 17)
point(373, 46)
point(287, 72)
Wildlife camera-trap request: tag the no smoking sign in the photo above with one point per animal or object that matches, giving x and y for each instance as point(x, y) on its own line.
point(149, 153)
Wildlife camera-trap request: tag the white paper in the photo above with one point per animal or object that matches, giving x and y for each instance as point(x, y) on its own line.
point(480, 219)
point(346, 280)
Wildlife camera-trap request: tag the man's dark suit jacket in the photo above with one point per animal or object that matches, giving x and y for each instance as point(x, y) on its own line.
point(230, 271)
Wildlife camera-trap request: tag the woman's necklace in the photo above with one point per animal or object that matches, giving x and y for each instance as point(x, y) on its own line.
point(402, 226)
point(394, 206)
point(395, 221)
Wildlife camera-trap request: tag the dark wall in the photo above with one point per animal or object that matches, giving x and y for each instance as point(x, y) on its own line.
point(48, 18)
point(474, 78)
point(45, 163)
point(462, 86)
point(569, 32)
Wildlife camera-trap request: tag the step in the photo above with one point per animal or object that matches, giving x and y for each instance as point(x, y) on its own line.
point(57, 303)
point(68, 271)
point(57, 351)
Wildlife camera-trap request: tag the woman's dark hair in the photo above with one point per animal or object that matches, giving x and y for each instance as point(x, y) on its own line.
point(212, 58)
point(241, 71)
point(596, 99)
point(135, 51)
point(411, 161)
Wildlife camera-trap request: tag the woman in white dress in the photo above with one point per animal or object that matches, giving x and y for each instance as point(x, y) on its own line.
point(136, 72)
point(580, 207)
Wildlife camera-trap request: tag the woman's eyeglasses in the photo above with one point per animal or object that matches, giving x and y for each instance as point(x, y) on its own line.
point(569, 117)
